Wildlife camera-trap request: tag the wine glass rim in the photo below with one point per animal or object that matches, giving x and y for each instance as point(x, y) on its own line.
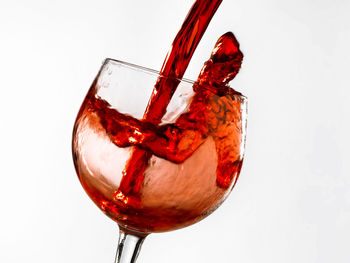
point(152, 71)
point(155, 72)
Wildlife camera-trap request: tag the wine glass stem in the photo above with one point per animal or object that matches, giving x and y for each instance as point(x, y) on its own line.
point(128, 247)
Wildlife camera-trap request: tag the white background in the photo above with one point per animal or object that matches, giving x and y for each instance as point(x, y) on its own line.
point(292, 201)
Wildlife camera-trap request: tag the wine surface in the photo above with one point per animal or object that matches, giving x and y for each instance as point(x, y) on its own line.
point(195, 161)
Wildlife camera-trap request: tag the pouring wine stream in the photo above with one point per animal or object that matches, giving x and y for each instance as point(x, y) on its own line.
point(174, 66)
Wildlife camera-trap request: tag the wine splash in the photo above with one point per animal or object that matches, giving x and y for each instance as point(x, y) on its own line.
point(164, 141)
point(192, 163)
point(211, 128)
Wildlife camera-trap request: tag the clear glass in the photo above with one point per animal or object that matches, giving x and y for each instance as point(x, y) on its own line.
point(194, 154)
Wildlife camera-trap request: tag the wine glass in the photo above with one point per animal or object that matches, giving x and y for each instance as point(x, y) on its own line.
point(154, 177)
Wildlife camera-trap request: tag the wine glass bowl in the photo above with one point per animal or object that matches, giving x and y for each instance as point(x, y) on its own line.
point(181, 184)
point(193, 156)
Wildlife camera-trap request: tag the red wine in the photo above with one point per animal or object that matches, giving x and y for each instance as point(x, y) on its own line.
point(174, 67)
point(194, 126)
point(176, 173)
point(178, 190)
point(195, 161)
